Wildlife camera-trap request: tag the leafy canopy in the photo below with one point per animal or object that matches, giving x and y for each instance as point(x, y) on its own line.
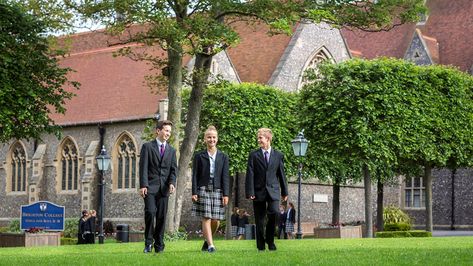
point(386, 112)
point(239, 110)
point(31, 81)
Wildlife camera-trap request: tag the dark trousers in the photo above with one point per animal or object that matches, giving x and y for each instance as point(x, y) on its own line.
point(282, 230)
point(156, 207)
point(261, 209)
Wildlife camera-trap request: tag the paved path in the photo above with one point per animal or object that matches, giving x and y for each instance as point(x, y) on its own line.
point(443, 233)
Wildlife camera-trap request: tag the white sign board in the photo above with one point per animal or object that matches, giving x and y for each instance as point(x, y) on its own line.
point(320, 198)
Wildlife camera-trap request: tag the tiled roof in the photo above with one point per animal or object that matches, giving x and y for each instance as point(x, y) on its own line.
point(450, 24)
point(257, 55)
point(393, 43)
point(112, 88)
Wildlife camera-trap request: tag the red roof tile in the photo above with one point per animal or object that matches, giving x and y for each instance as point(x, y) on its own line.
point(393, 43)
point(258, 54)
point(112, 88)
point(450, 23)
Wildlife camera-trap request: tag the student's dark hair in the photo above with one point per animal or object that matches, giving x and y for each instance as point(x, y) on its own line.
point(163, 123)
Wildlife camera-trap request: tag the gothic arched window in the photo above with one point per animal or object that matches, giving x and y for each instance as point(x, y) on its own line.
point(18, 168)
point(313, 65)
point(127, 163)
point(69, 165)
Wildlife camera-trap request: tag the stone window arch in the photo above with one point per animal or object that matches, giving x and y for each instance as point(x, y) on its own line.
point(68, 166)
point(17, 168)
point(312, 64)
point(125, 162)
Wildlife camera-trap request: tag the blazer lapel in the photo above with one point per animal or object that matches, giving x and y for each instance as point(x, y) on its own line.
point(271, 158)
point(261, 157)
point(218, 160)
point(156, 149)
point(205, 155)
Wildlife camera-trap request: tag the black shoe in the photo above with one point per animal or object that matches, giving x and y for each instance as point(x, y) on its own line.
point(148, 249)
point(205, 246)
point(211, 249)
point(159, 249)
point(272, 247)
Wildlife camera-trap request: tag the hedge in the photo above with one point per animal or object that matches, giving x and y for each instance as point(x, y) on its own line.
point(397, 234)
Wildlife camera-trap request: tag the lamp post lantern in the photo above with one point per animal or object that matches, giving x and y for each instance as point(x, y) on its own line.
point(299, 145)
point(103, 162)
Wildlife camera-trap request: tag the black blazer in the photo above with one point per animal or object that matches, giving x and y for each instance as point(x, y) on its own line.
point(201, 172)
point(262, 179)
point(157, 173)
point(291, 216)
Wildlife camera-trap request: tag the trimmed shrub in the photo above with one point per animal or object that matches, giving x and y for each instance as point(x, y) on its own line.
point(14, 226)
point(3, 229)
point(175, 236)
point(71, 228)
point(398, 234)
point(420, 233)
point(397, 227)
point(394, 215)
point(238, 110)
point(68, 241)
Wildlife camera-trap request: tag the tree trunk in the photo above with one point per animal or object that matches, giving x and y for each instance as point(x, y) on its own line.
point(428, 198)
point(368, 211)
point(380, 206)
point(336, 203)
point(174, 114)
point(452, 217)
point(200, 77)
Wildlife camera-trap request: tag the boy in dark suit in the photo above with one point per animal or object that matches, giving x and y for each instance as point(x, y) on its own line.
point(265, 183)
point(158, 170)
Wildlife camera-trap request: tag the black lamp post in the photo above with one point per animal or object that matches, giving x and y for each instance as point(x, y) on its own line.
point(299, 145)
point(103, 162)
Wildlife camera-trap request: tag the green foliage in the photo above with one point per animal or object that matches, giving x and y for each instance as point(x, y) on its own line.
point(71, 228)
point(394, 215)
point(398, 234)
point(367, 15)
point(388, 114)
point(3, 229)
point(176, 235)
point(14, 226)
point(397, 227)
point(31, 81)
point(68, 241)
point(239, 110)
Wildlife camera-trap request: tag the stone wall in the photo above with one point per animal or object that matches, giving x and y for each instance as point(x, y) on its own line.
point(443, 197)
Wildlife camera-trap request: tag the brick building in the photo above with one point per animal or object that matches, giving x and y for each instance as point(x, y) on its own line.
point(114, 102)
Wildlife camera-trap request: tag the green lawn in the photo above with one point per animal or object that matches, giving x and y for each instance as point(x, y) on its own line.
point(398, 251)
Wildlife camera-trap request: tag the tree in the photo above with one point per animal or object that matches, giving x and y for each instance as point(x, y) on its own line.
point(390, 116)
point(31, 81)
point(353, 112)
point(204, 28)
point(443, 125)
